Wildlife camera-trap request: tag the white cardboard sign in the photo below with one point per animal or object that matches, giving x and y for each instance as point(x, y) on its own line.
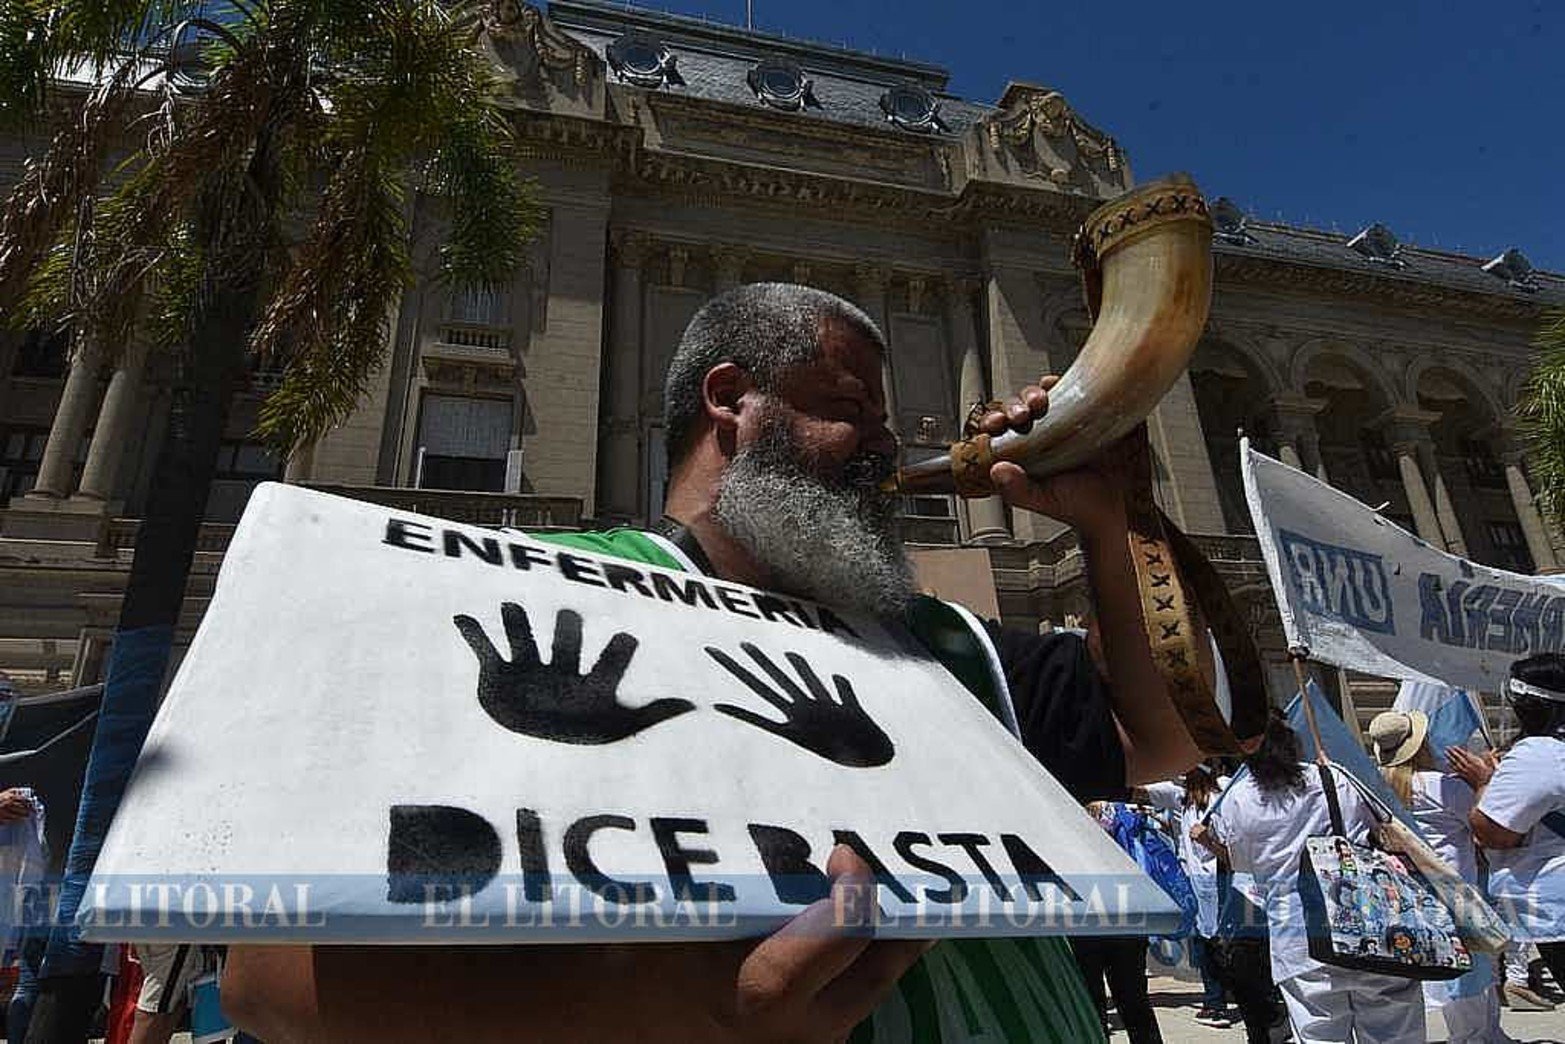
point(392, 728)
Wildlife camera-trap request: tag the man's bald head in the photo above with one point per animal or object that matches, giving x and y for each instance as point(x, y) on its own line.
point(766, 329)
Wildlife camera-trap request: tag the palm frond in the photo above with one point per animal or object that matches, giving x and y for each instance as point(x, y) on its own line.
point(324, 112)
point(1541, 412)
point(52, 186)
point(493, 209)
point(330, 318)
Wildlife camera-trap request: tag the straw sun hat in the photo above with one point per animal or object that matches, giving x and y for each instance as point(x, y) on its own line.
point(1397, 735)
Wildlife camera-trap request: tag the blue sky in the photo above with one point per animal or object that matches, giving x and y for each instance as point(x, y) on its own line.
point(1445, 121)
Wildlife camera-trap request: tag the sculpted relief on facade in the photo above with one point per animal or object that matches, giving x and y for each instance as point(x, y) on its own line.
point(546, 67)
point(1037, 135)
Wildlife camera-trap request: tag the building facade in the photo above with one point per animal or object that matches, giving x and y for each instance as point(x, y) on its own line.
point(677, 158)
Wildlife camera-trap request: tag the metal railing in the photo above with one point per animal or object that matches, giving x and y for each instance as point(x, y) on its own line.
point(475, 335)
point(513, 510)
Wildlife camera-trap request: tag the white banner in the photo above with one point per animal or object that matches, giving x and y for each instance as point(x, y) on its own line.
point(369, 741)
point(1360, 592)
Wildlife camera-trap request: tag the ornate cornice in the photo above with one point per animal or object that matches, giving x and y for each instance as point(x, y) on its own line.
point(541, 135)
point(772, 123)
point(710, 182)
point(1370, 287)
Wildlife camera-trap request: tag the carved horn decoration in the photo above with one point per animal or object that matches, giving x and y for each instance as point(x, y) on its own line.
point(1146, 262)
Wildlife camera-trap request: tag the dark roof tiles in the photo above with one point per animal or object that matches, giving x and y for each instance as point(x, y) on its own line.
point(1330, 250)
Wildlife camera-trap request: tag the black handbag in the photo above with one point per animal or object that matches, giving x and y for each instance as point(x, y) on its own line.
point(1373, 911)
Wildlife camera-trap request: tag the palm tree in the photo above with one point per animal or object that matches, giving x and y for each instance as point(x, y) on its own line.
point(1542, 412)
point(265, 213)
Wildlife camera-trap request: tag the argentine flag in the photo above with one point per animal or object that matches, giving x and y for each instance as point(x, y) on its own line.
point(1453, 714)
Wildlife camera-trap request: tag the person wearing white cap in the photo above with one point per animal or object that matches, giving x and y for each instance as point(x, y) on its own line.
point(1520, 816)
point(1441, 803)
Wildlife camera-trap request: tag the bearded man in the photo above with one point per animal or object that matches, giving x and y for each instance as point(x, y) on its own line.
point(776, 426)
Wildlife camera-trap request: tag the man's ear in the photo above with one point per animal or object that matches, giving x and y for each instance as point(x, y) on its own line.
point(722, 390)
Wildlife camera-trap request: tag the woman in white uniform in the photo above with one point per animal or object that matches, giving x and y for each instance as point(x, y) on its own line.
point(1440, 803)
point(1262, 824)
point(1520, 818)
point(1190, 800)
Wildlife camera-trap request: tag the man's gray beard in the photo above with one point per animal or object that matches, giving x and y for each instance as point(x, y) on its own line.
point(834, 541)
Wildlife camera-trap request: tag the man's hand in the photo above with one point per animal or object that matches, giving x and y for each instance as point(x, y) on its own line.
point(836, 729)
point(1476, 769)
point(820, 974)
point(1089, 499)
point(556, 701)
point(14, 805)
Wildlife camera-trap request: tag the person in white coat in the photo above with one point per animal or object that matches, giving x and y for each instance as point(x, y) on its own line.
point(1440, 803)
point(1262, 825)
point(1189, 800)
point(1520, 815)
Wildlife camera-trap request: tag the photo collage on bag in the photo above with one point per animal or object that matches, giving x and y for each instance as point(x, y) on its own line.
point(1376, 908)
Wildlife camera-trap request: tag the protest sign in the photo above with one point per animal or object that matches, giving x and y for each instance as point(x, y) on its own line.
point(1358, 591)
point(365, 742)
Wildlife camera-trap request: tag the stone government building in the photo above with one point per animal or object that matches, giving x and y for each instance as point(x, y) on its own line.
point(677, 158)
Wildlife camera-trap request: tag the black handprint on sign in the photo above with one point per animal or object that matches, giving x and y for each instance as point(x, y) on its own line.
point(556, 701)
point(836, 729)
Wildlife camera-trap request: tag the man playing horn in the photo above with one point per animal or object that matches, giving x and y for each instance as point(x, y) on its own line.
point(778, 448)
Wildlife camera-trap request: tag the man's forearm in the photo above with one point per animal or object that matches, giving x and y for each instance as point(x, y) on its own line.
point(1157, 745)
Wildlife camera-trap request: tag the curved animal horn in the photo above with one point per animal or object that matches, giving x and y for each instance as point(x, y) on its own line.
point(1149, 252)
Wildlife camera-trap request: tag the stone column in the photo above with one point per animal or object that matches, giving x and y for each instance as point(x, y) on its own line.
point(870, 288)
point(1406, 429)
point(70, 423)
point(986, 516)
point(1531, 521)
point(112, 430)
point(1534, 529)
point(619, 470)
point(1309, 449)
point(728, 265)
point(1298, 443)
point(1445, 511)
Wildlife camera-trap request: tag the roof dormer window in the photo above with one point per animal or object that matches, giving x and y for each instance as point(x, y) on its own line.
point(1379, 244)
point(781, 84)
point(1229, 223)
point(912, 108)
point(641, 59)
point(1513, 267)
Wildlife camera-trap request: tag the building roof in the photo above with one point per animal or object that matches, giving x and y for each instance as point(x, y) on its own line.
point(714, 60)
point(1319, 249)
